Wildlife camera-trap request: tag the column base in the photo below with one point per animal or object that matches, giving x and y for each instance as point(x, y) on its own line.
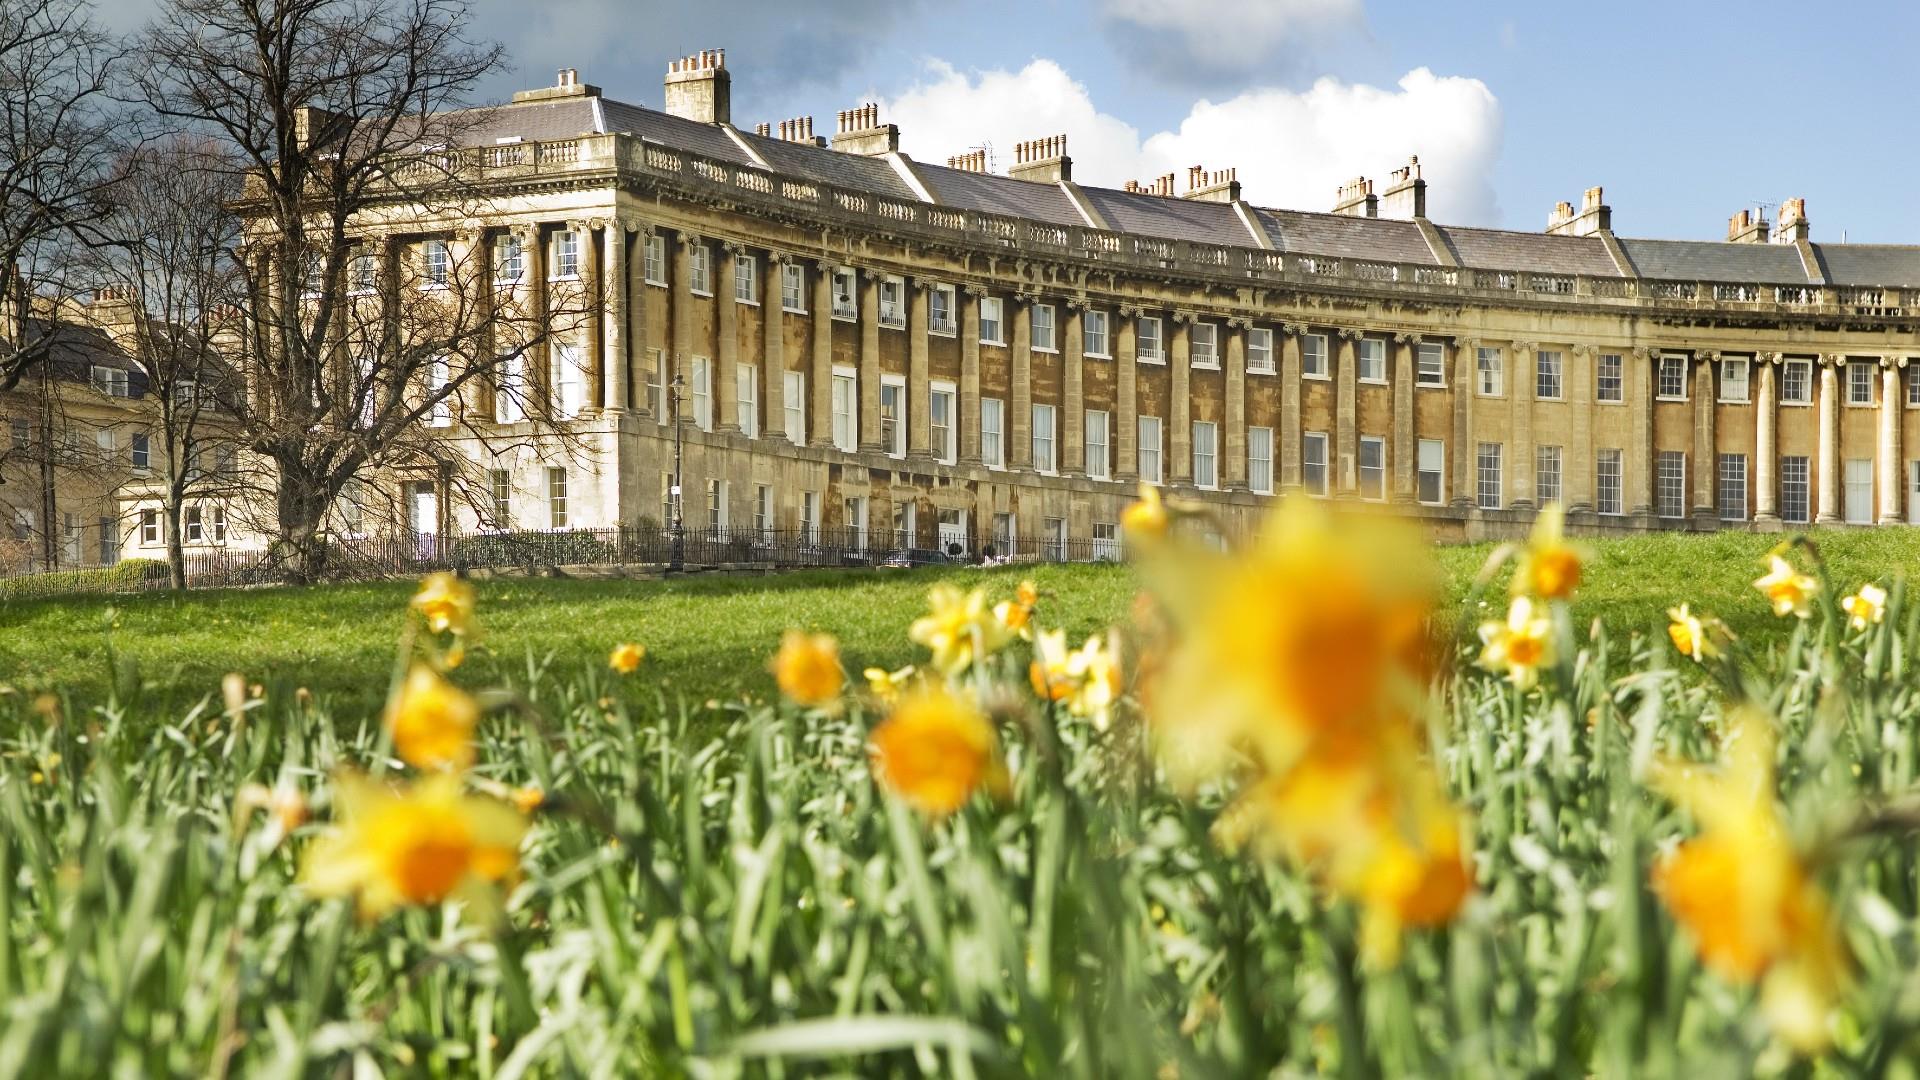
point(1824, 518)
point(1768, 523)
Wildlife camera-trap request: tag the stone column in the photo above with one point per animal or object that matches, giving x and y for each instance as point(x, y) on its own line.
point(682, 316)
point(471, 254)
point(969, 418)
point(726, 365)
point(773, 348)
point(1639, 463)
point(1577, 471)
point(919, 405)
point(820, 373)
point(1765, 417)
point(614, 366)
point(1401, 491)
point(1126, 357)
point(1178, 461)
point(1466, 355)
point(870, 438)
point(1829, 457)
point(536, 359)
point(1073, 402)
point(1706, 469)
point(1289, 437)
point(1233, 446)
point(639, 335)
point(1888, 449)
point(1020, 424)
point(1346, 410)
point(1525, 370)
point(593, 289)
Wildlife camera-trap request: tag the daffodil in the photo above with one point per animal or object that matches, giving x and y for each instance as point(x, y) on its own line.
point(432, 721)
point(1146, 519)
point(807, 668)
point(418, 845)
point(935, 750)
point(1521, 645)
point(1689, 634)
point(1086, 680)
point(958, 629)
point(1866, 607)
point(1788, 590)
point(1744, 893)
point(446, 603)
point(884, 685)
point(626, 657)
point(1549, 567)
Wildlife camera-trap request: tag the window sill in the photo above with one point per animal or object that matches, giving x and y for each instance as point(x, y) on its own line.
point(945, 332)
point(1097, 356)
point(745, 301)
point(793, 310)
point(1310, 376)
point(1609, 401)
point(995, 344)
point(1675, 400)
point(1151, 361)
point(1733, 401)
point(429, 287)
point(1797, 404)
point(1430, 385)
point(1195, 365)
point(564, 277)
point(842, 316)
point(704, 293)
point(889, 324)
point(656, 284)
point(1260, 371)
point(1371, 382)
point(1043, 349)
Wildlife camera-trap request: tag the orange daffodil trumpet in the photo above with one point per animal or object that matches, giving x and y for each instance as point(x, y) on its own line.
point(446, 605)
point(419, 845)
point(1549, 567)
point(625, 657)
point(1742, 890)
point(934, 750)
point(1519, 646)
point(1689, 634)
point(1085, 680)
point(432, 721)
point(807, 668)
point(1866, 607)
point(1789, 591)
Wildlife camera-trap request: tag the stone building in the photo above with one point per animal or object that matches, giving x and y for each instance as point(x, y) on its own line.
point(873, 344)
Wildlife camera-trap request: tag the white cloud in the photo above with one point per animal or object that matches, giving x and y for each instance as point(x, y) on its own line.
point(1203, 41)
point(1292, 148)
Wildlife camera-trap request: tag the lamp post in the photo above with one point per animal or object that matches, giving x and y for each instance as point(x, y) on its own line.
point(677, 560)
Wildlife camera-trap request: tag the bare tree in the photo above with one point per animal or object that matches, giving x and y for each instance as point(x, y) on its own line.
point(373, 322)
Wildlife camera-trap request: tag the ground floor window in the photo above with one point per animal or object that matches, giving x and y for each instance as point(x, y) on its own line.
point(1733, 487)
point(1431, 483)
point(1859, 490)
point(1671, 486)
point(1488, 474)
point(1794, 489)
point(1607, 495)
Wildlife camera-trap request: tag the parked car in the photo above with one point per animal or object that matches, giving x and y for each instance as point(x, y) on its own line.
point(909, 557)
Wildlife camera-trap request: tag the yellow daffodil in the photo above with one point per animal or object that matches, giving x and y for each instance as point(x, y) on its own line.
point(884, 685)
point(527, 799)
point(1146, 519)
point(807, 668)
point(1521, 645)
point(286, 807)
point(1689, 634)
point(1866, 607)
point(1549, 567)
point(626, 657)
point(419, 845)
point(432, 721)
point(1086, 680)
point(445, 602)
point(1788, 590)
point(1744, 893)
point(958, 629)
point(934, 751)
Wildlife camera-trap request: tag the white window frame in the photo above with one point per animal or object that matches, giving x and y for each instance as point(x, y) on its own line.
point(1796, 471)
point(746, 398)
point(1609, 482)
point(893, 429)
point(566, 255)
point(439, 371)
point(1549, 375)
point(1617, 380)
point(1913, 384)
point(1438, 455)
point(1549, 478)
point(1867, 369)
point(1378, 483)
point(1143, 352)
point(794, 405)
point(845, 401)
point(701, 371)
point(653, 259)
point(700, 269)
point(1731, 487)
point(1315, 363)
point(763, 512)
point(1096, 334)
point(1370, 354)
point(1203, 345)
point(892, 294)
point(436, 264)
point(1045, 319)
point(1744, 384)
point(1259, 350)
point(500, 497)
point(810, 517)
point(1804, 368)
point(993, 433)
point(1669, 489)
point(1260, 460)
point(569, 380)
point(140, 451)
point(363, 269)
point(1206, 454)
point(557, 497)
point(1489, 476)
point(846, 283)
point(939, 324)
point(1661, 389)
point(1434, 376)
point(1098, 448)
point(1489, 373)
point(716, 506)
point(856, 522)
point(149, 528)
point(746, 279)
point(1045, 437)
point(993, 329)
point(1152, 449)
point(1856, 479)
point(1316, 468)
point(943, 438)
point(793, 287)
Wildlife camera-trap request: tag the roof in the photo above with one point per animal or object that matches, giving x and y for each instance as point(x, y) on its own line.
point(1383, 239)
point(1704, 260)
point(991, 194)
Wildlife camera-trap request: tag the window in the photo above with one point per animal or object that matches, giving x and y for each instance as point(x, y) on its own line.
point(1431, 478)
point(1150, 469)
point(109, 541)
point(1546, 475)
point(893, 302)
point(433, 264)
point(1913, 493)
point(217, 514)
point(1043, 459)
point(1733, 487)
point(1607, 474)
point(1373, 360)
point(1313, 462)
point(656, 259)
point(437, 376)
point(893, 423)
point(703, 393)
point(1097, 459)
point(990, 311)
point(1106, 541)
point(793, 287)
point(1913, 385)
point(1491, 366)
point(1547, 371)
point(940, 429)
point(1260, 460)
point(1673, 378)
point(699, 268)
point(1056, 534)
point(794, 405)
point(903, 524)
point(810, 517)
point(1609, 383)
point(1488, 476)
point(746, 279)
point(1204, 342)
point(1043, 340)
point(500, 486)
point(557, 497)
point(110, 381)
point(846, 304)
point(940, 318)
point(104, 439)
point(669, 499)
point(1373, 468)
point(857, 523)
point(1859, 490)
point(569, 380)
point(1794, 489)
point(141, 446)
point(22, 434)
point(566, 254)
point(193, 526)
point(1205, 454)
point(1313, 356)
point(1859, 383)
point(763, 512)
point(1003, 533)
point(1260, 350)
point(1733, 380)
point(1150, 347)
point(716, 506)
point(510, 390)
point(746, 399)
point(1796, 382)
point(846, 406)
point(1671, 484)
point(993, 453)
point(1094, 334)
point(1430, 363)
point(149, 528)
point(509, 265)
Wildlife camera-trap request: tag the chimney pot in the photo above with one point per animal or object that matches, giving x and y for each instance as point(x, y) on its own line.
point(699, 88)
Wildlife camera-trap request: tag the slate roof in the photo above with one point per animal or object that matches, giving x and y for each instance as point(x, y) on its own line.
point(1157, 215)
point(1000, 195)
point(1384, 239)
point(1703, 260)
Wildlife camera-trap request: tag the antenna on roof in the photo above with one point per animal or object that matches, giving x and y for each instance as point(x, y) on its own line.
point(986, 145)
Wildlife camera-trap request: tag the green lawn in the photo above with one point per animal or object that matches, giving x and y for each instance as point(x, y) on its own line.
point(710, 637)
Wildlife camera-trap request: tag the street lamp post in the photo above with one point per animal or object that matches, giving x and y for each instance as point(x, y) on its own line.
point(677, 561)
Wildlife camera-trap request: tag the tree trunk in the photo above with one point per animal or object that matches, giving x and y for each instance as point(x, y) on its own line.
point(300, 510)
point(176, 547)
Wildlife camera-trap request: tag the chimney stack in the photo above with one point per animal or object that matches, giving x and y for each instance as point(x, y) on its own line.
point(1356, 199)
point(699, 88)
point(1406, 194)
point(1792, 227)
point(1159, 185)
point(1594, 216)
point(972, 161)
point(1220, 185)
point(566, 85)
point(800, 130)
point(1042, 160)
point(861, 132)
point(1747, 227)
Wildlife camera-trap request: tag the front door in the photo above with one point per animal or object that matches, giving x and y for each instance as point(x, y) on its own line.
point(423, 516)
point(953, 532)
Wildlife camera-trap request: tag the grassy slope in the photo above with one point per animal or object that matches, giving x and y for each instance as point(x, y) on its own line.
point(710, 636)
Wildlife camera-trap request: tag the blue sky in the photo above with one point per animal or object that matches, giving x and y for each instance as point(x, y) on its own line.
point(1685, 112)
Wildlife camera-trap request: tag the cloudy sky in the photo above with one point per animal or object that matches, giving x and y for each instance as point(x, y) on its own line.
point(1684, 111)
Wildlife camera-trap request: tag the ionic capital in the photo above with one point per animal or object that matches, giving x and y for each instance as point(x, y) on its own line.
point(975, 291)
point(1584, 352)
point(1293, 329)
point(1183, 318)
point(1643, 353)
point(1706, 356)
point(1130, 311)
point(1240, 322)
point(1522, 346)
point(1348, 333)
point(1766, 357)
point(1402, 337)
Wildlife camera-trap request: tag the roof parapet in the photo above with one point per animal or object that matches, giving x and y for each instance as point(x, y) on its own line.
point(1406, 194)
point(861, 132)
point(1356, 199)
point(1042, 160)
point(698, 87)
point(1221, 185)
